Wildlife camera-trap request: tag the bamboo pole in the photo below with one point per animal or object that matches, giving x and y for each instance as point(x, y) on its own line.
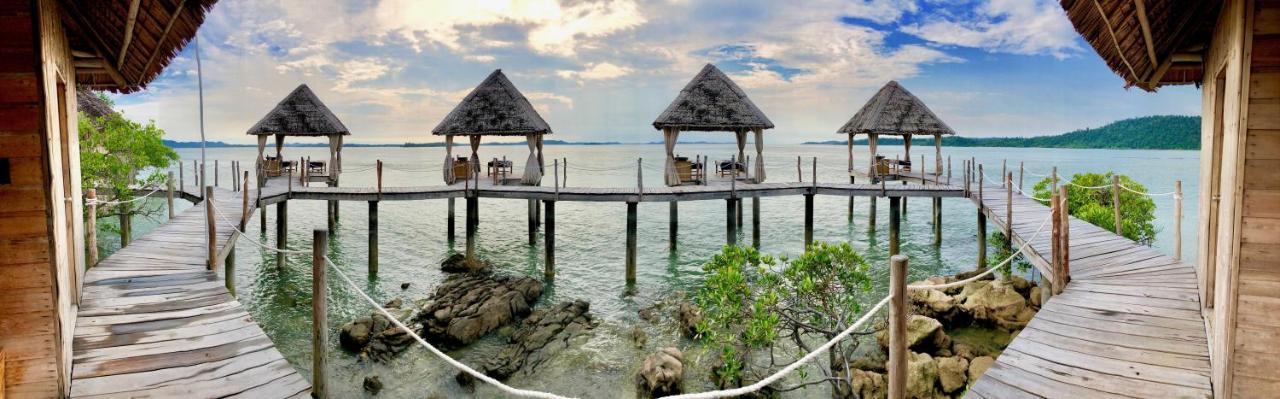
point(1177, 220)
point(631, 243)
point(211, 229)
point(319, 315)
point(92, 228)
point(1115, 203)
point(897, 327)
point(895, 223)
point(169, 194)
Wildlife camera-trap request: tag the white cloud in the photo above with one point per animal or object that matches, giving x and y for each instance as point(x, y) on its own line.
point(1011, 26)
point(596, 71)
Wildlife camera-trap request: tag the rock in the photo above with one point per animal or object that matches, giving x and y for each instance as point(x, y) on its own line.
point(649, 314)
point(978, 366)
point(993, 302)
point(638, 337)
point(662, 373)
point(1020, 284)
point(458, 263)
point(1033, 297)
point(963, 350)
point(863, 384)
point(952, 373)
point(373, 384)
point(922, 376)
point(539, 337)
point(689, 318)
point(467, 306)
point(923, 333)
point(404, 286)
point(1019, 321)
point(932, 303)
point(394, 304)
point(355, 334)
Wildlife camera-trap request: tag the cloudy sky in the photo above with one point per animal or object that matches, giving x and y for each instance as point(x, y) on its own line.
point(603, 69)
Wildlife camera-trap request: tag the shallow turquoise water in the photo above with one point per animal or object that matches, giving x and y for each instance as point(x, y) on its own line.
point(590, 247)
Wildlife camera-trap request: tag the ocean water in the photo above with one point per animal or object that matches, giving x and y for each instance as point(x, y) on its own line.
point(591, 248)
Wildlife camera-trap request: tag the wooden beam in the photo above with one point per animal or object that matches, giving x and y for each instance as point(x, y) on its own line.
point(177, 11)
point(1146, 31)
point(1115, 42)
point(128, 33)
point(95, 40)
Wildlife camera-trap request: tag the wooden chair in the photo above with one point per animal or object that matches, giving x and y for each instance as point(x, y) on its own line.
point(462, 168)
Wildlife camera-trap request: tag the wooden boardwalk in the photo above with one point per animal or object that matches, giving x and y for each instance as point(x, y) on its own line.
point(1128, 324)
point(155, 322)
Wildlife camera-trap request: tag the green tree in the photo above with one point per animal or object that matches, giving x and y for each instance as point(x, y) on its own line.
point(116, 156)
point(749, 301)
point(1089, 198)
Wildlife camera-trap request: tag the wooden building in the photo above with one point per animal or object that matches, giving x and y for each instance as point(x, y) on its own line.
point(1231, 50)
point(48, 49)
point(711, 102)
point(494, 108)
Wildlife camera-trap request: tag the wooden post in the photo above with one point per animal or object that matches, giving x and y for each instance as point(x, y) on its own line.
point(639, 178)
point(92, 227)
point(533, 221)
point(1056, 242)
point(234, 173)
point(631, 243)
point(450, 220)
point(549, 239)
point(937, 221)
point(168, 196)
point(182, 179)
point(472, 214)
point(1064, 209)
point(262, 216)
point(1115, 203)
point(210, 228)
point(852, 180)
point(1053, 177)
point(331, 218)
point(244, 203)
point(1004, 168)
point(282, 231)
point(731, 230)
point(319, 315)
point(1022, 170)
point(948, 170)
point(1177, 220)
point(808, 220)
point(755, 222)
point(1008, 212)
point(229, 271)
point(895, 222)
point(799, 174)
point(673, 223)
point(379, 179)
point(216, 179)
point(871, 214)
point(373, 238)
point(897, 326)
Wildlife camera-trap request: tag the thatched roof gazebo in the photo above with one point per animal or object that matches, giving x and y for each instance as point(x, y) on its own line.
point(494, 108)
point(895, 111)
point(88, 102)
point(712, 102)
point(300, 113)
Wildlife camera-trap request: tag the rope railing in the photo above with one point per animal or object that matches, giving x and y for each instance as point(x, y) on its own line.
point(1126, 188)
point(89, 201)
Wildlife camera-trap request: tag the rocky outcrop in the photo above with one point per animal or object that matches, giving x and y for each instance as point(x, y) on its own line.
point(996, 303)
point(662, 373)
point(689, 317)
point(979, 365)
point(373, 384)
point(862, 384)
point(375, 337)
point(467, 306)
point(539, 337)
point(458, 263)
point(922, 376)
point(923, 334)
point(952, 373)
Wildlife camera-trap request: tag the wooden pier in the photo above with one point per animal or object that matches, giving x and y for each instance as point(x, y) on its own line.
point(155, 321)
point(1128, 323)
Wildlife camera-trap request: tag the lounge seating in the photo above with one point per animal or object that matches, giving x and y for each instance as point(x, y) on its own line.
point(499, 167)
point(725, 168)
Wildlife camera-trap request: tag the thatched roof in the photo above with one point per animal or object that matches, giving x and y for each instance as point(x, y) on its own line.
point(895, 111)
point(712, 102)
point(90, 104)
point(494, 108)
point(1151, 43)
point(122, 45)
point(301, 113)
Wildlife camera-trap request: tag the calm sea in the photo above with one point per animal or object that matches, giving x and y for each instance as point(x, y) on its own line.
point(591, 247)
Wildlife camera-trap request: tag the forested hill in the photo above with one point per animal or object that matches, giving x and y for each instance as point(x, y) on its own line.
point(1158, 132)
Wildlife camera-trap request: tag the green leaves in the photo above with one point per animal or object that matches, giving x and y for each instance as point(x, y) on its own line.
point(1095, 205)
point(115, 150)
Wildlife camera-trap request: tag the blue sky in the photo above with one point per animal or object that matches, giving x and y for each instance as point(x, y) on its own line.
point(601, 70)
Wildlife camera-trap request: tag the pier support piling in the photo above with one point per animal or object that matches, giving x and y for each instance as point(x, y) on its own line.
point(631, 243)
point(871, 214)
point(897, 326)
point(982, 239)
point(450, 221)
point(229, 271)
point(168, 196)
point(282, 231)
point(549, 239)
point(673, 223)
point(755, 222)
point(473, 204)
point(808, 220)
point(319, 315)
point(937, 221)
point(731, 229)
point(533, 222)
point(373, 238)
point(895, 223)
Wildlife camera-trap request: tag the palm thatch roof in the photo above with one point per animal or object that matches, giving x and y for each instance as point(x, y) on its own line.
point(895, 111)
point(90, 104)
point(712, 102)
point(122, 45)
point(1151, 43)
point(301, 113)
point(494, 108)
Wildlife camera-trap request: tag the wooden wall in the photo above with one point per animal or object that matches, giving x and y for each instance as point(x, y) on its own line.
point(40, 237)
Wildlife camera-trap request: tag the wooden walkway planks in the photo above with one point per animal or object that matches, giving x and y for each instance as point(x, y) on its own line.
point(155, 322)
point(1128, 323)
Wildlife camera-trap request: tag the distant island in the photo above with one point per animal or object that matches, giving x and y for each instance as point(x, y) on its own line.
point(1158, 132)
point(220, 144)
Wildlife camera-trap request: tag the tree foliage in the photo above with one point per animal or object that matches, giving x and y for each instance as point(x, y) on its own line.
point(1094, 205)
point(116, 155)
point(749, 300)
point(1156, 132)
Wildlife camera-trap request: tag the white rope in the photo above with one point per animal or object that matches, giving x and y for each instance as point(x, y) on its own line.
point(1147, 193)
point(456, 364)
point(110, 203)
point(1088, 187)
point(791, 367)
point(989, 270)
point(236, 227)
